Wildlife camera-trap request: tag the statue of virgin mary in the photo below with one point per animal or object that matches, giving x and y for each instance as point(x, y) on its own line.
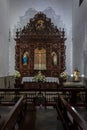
point(25, 58)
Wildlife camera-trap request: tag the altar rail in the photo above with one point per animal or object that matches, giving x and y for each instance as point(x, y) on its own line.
point(70, 117)
point(75, 96)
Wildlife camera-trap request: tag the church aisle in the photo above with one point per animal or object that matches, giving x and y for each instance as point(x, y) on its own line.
point(28, 122)
point(46, 119)
point(40, 118)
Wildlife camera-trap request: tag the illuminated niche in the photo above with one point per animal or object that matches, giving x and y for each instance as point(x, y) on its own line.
point(40, 59)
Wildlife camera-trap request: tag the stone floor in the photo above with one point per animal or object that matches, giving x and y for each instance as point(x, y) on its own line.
point(82, 111)
point(40, 118)
point(4, 110)
point(46, 119)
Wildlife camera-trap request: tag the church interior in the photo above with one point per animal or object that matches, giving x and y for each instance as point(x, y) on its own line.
point(43, 65)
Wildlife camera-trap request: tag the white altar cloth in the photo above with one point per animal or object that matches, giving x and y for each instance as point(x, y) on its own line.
point(48, 79)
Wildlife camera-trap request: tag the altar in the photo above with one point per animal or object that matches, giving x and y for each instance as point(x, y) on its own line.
point(48, 79)
point(50, 83)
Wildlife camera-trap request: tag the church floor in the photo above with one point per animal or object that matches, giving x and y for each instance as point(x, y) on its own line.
point(28, 122)
point(41, 119)
point(46, 119)
point(4, 110)
point(83, 112)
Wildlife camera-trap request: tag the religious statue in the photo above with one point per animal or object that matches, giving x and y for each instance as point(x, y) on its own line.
point(76, 75)
point(40, 25)
point(25, 58)
point(54, 58)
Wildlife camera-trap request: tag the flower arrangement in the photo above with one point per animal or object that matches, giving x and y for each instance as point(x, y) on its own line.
point(17, 74)
point(39, 77)
point(64, 75)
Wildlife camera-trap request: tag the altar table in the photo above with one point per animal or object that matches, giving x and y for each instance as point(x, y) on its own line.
point(48, 79)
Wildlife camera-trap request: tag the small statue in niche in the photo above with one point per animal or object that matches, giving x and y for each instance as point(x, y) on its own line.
point(25, 58)
point(54, 58)
point(40, 25)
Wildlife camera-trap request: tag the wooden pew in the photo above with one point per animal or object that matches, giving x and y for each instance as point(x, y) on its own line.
point(14, 115)
point(70, 117)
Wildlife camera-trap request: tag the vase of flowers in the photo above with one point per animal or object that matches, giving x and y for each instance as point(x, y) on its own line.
point(17, 77)
point(17, 74)
point(63, 76)
point(39, 77)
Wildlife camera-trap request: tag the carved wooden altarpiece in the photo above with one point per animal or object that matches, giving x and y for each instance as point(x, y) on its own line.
point(40, 46)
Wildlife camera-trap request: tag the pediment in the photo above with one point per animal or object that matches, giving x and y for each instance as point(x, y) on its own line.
point(40, 24)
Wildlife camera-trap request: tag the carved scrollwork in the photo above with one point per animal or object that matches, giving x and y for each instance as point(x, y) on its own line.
point(40, 33)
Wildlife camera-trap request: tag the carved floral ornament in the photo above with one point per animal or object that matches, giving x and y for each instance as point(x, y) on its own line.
point(40, 23)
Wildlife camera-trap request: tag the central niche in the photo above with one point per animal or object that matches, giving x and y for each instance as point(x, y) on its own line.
point(39, 59)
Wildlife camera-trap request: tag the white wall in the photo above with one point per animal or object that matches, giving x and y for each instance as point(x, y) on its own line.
point(4, 33)
point(79, 26)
